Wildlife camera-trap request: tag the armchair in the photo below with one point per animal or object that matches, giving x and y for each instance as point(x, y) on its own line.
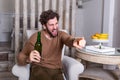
point(72, 68)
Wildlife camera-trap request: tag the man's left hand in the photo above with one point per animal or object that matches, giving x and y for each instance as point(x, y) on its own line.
point(79, 42)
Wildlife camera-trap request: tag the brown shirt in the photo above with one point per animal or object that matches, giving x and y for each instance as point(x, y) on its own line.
point(51, 49)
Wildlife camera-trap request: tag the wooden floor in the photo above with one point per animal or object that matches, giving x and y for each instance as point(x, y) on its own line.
point(7, 76)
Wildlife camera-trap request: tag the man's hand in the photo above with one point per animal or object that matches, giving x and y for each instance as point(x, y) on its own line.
point(79, 43)
point(34, 56)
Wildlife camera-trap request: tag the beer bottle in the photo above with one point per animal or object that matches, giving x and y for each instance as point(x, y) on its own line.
point(38, 44)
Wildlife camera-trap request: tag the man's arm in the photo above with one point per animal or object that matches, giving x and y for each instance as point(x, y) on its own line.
point(71, 41)
point(23, 56)
point(67, 39)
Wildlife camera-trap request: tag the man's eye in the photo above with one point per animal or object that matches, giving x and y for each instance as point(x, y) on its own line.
point(51, 25)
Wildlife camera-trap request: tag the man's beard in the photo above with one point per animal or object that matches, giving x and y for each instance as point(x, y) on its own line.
point(50, 33)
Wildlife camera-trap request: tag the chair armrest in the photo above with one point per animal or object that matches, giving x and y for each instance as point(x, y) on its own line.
point(72, 68)
point(22, 72)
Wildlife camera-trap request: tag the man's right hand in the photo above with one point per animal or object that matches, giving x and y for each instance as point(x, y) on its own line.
point(34, 56)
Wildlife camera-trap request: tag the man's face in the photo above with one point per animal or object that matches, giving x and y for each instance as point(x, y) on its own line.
point(52, 27)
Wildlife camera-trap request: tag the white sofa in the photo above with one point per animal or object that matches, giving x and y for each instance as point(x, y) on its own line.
point(72, 68)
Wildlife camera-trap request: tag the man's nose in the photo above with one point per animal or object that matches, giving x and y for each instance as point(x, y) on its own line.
point(54, 26)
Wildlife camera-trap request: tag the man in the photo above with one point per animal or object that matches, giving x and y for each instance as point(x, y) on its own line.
point(48, 65)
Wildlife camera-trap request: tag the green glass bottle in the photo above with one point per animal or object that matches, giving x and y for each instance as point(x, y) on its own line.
point(38, 44)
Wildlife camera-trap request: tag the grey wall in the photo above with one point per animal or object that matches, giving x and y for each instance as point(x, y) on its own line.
point(6, 21)
point(7, 6)
point(116, 30)
point(89, 19)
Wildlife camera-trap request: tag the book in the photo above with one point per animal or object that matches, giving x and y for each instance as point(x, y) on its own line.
point(103, 49)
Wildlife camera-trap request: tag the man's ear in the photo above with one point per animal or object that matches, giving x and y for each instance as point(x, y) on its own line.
point(44, 27)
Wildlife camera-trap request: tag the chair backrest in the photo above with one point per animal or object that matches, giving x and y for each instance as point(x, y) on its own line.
point(30, 32)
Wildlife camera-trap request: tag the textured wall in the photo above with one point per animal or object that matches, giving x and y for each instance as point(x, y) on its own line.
point(6, 23)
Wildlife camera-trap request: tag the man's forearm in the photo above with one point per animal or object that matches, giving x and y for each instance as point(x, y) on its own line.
point(22, 59)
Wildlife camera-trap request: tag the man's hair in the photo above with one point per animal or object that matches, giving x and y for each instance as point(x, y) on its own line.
point(47, 15)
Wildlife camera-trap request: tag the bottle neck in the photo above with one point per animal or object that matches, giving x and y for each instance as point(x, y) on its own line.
point(39, 37)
